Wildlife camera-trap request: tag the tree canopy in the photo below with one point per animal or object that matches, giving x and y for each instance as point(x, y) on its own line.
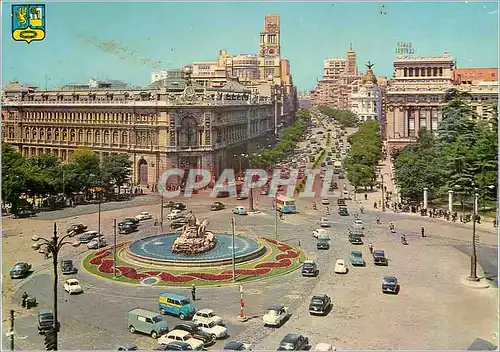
point(346, 118)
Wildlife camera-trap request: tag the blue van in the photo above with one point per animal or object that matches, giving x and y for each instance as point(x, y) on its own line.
point(170, 303)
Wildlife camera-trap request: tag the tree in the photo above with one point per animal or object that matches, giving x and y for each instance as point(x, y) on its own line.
point(359, 175)
point(13, 177)
point(84, 172)
point(116, 170)
point(457, 117)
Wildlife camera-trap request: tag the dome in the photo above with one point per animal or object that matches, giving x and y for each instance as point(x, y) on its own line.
point(369, 77)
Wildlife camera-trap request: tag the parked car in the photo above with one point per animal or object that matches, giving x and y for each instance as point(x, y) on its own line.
point(294, 342)
point(179, 206)
point(196, 332)
point(20, 270)
point(175, 213)
point(182, 336)
point(127, 228)
point(77, 229)
point(276, 315)
point(355, 239)
point(310, 268)
point(217, 206)
point(237, 346)
point(217, 331)
point(72, 286)
point(97, 243)
point(323, 243)
point(146, 322)
point(379, 257)
point(340, 267)
point(88, 236)
point(178, 223)
point(127, 347)
point(144, 216)
point(130, 220)
point(45, 320)
point(325, 222)
point(357, 258)
point(390, 285)
point(174, 346)
point(325, 201)
point(68, 268)
point(320, 305)
point(207, 316)
point(239, 210)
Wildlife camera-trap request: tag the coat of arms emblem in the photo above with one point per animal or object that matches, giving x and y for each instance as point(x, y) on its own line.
point(28, 22)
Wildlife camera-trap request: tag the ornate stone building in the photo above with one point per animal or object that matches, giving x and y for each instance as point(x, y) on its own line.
point(172, 123)
point(366, 102)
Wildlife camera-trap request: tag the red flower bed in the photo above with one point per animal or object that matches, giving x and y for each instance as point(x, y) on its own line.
point(101, 252)
point(98, 259)
point(284, 247)
point(271, 241)
point(131, 273)
point(289, 255)
point(106, 267)
point(211, 277)
point(281, 264)
point(152, 273)
point(175, 278)
point(260, 271)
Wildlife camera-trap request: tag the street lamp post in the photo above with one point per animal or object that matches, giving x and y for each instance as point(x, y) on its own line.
point(473, 258)
point(54, 245)
point(233, 256)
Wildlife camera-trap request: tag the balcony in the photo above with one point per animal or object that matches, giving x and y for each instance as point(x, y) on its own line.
point(201, 148)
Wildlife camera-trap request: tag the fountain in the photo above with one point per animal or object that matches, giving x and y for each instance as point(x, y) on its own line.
point(194, 238)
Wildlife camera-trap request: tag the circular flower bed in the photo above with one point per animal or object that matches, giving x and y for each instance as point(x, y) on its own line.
point(280, 259)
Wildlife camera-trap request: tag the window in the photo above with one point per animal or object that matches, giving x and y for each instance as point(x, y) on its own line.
point(417, 72)
point(405, 70)
point(435, 71)
point(188, 134)
point(143, 319)
point(440, 71)
point(422, 122)
point(434, 119)
point(411, 123)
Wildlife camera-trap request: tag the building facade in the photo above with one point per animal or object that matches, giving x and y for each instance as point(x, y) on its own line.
point(366, 102)
point(475, 75)
point(172, 123)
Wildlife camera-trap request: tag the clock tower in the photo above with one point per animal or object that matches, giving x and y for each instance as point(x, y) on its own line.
point(270, 37)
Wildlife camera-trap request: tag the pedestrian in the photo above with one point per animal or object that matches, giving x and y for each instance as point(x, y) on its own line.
point(25, 299)
point(423, 231)
point(366, 196)
point(193, 292)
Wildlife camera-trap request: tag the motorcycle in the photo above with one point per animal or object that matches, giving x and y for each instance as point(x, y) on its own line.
point(378, 221)
point(404, 241)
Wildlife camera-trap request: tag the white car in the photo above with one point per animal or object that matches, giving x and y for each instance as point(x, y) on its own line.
point(72, 286)
point(217, 331)
point(97, 243)
point(180, 336)
point(325, 201)
point(319, 233)
point(144, 216)
point(325, 222)
point(276, 316)
point(173, 214)
point(340, 267)
point(323, 347)
point(207, 316)
point(359, 223)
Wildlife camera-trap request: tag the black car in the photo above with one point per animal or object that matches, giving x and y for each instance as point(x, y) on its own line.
point(343, 211)
point(390, 285)
point(236, 346)
point(175, 346)
point(196, 332)
point(323, 243)
point(68, 268)
point(179, 206)
point(354, 239)
point(294, 342)
point(217, 206)
point(20, 270)
point(379, 258)
point(127, 347)
point(45, 320)
point(133, 221)
point(320, 305)
point(309, 268)
point(126, 228)
point(77, 229)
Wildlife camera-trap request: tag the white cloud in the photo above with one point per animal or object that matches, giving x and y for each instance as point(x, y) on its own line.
point(494, 12)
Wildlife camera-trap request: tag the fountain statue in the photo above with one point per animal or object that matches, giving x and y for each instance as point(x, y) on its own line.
point(194, 238)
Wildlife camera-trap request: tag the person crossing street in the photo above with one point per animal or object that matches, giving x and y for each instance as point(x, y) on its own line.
point(193, 293)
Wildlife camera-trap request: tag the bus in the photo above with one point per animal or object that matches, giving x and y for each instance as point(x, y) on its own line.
point(337, 167)
point(285, 204)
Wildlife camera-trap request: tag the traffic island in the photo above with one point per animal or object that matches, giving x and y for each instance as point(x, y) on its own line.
point(479, 283)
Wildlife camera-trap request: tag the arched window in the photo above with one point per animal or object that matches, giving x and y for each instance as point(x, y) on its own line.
point(89, 137)
point(72, 135)
point(65, 135)
point(49, 134)
point(56, 134)
point(106, 136)
point(115, 137)
point(33, 133)
point(42, 134)
point(97, 138)
point(125, 137)
point(80, 135)
point(27, 133)
point(188, 134)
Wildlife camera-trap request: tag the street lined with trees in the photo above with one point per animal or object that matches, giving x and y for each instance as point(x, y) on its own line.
point(345, 118)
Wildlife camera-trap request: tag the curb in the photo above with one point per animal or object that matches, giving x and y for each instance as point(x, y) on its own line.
point(480, 284)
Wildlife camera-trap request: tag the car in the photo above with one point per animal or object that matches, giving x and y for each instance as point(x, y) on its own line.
point(175, 213)
point(88, 236)
point(355, 239)
point(323, 243)
point(196, 332)
point(310, 268)
point(45, 320)
point(343, 211)
point(325, 201)
point(20, 270)
point(239, 210)
point(340, 267)
point(379, 257)
point(207, 316)
point(276, 315)
point(341, 202)
point(335, 185)
point(217, 206)
point(390, 285)
point(320, 305)
point(174, 346)
point(357, 258)
point(127, 228)
point(319, 232)
point(72, 286)
point(342, 175)
point(179, 206)
point(241, 197)
point(144, 215)
point(68, 268)
point(359, 223)
point(237, 346)
point(127, 347)
point(97, 243)
point(180, 336)
point(217, 331)
point(323, 347)
point(294, 342)
point(178, 223)
point(130, 220)
point(325, 222)
point(77, 229)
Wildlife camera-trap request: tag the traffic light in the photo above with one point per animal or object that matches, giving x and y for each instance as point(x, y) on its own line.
point(51, 340)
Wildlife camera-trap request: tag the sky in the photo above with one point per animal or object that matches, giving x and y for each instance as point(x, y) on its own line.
point(129, 40)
